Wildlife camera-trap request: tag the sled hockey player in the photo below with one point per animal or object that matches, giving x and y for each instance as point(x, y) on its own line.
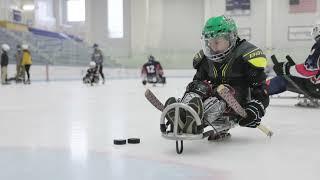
point(92, 75)
point(305, 76)
point(152, 72)
point(224, 59)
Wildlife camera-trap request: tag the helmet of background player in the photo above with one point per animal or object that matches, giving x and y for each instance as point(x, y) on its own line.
point(92, 64)
point(5, 47)
point(151, 58)
point(19, 47)
point(95, 46)
point(25, 47)
point(316, 32)
point(218, 38)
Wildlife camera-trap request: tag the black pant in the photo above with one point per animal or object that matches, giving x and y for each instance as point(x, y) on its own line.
point(101, 70)
point(27, 67)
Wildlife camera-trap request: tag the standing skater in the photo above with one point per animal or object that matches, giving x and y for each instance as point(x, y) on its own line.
point(97, 57)
point(4, 64)
point(26, 62)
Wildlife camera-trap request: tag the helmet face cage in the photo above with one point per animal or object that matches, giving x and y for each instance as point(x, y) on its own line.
point(316, 32)
point(218, 56)
point(218, 27)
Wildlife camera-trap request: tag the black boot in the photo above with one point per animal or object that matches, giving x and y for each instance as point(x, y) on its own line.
point(171, 113)
point(190, 123)
point(219, 136)
point(197, 105)
point(186, 124)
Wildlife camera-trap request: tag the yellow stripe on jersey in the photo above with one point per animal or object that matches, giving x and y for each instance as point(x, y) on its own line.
point(224, 70)
point(260, 62)
point(215, 72)
point(251, 52)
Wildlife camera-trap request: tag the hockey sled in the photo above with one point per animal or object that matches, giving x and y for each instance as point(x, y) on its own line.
point(154, 80)
point(90, 79)
point(175, 133)
point(178, 135)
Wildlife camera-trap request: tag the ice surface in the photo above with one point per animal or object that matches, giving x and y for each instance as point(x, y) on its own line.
point(65, 131)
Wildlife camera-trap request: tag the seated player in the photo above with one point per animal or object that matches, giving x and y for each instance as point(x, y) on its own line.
point(305, 76)
point(152, 72)
point(92, 75)
point(224, 59)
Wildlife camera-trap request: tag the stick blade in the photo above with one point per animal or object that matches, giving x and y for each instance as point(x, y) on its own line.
point(153, 100)
point(224, 92)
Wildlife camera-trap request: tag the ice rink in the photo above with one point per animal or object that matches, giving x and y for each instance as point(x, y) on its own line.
point(64, 130)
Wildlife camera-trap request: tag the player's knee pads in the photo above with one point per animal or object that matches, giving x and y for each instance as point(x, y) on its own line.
point(201, 88)
point(213, 108)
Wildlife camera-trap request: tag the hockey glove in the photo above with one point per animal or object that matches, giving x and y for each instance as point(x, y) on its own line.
point(255, 111)
point(282, 68)
point(202, 88)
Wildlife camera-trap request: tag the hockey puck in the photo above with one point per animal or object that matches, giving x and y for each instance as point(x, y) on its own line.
point(133, 141)
point(119, 141)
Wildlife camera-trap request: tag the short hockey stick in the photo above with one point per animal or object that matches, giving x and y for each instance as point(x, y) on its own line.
point(224, 93)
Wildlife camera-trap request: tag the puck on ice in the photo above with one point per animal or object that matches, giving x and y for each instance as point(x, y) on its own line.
point(133, 141)
point(119, 141)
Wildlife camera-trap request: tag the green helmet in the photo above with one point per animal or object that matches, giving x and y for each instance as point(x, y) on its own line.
point(219, 27)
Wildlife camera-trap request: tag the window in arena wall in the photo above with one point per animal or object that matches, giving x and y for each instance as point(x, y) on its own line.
point(76, 10)
point(115, 18)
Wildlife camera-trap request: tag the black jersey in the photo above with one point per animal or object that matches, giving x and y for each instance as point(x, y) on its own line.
point(152, 68)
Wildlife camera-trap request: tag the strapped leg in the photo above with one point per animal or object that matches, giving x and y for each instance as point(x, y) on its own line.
point(213, 109)
point(170, 115)
point(190, 124)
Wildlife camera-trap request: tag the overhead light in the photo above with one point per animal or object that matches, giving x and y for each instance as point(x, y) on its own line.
point(28, 7)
